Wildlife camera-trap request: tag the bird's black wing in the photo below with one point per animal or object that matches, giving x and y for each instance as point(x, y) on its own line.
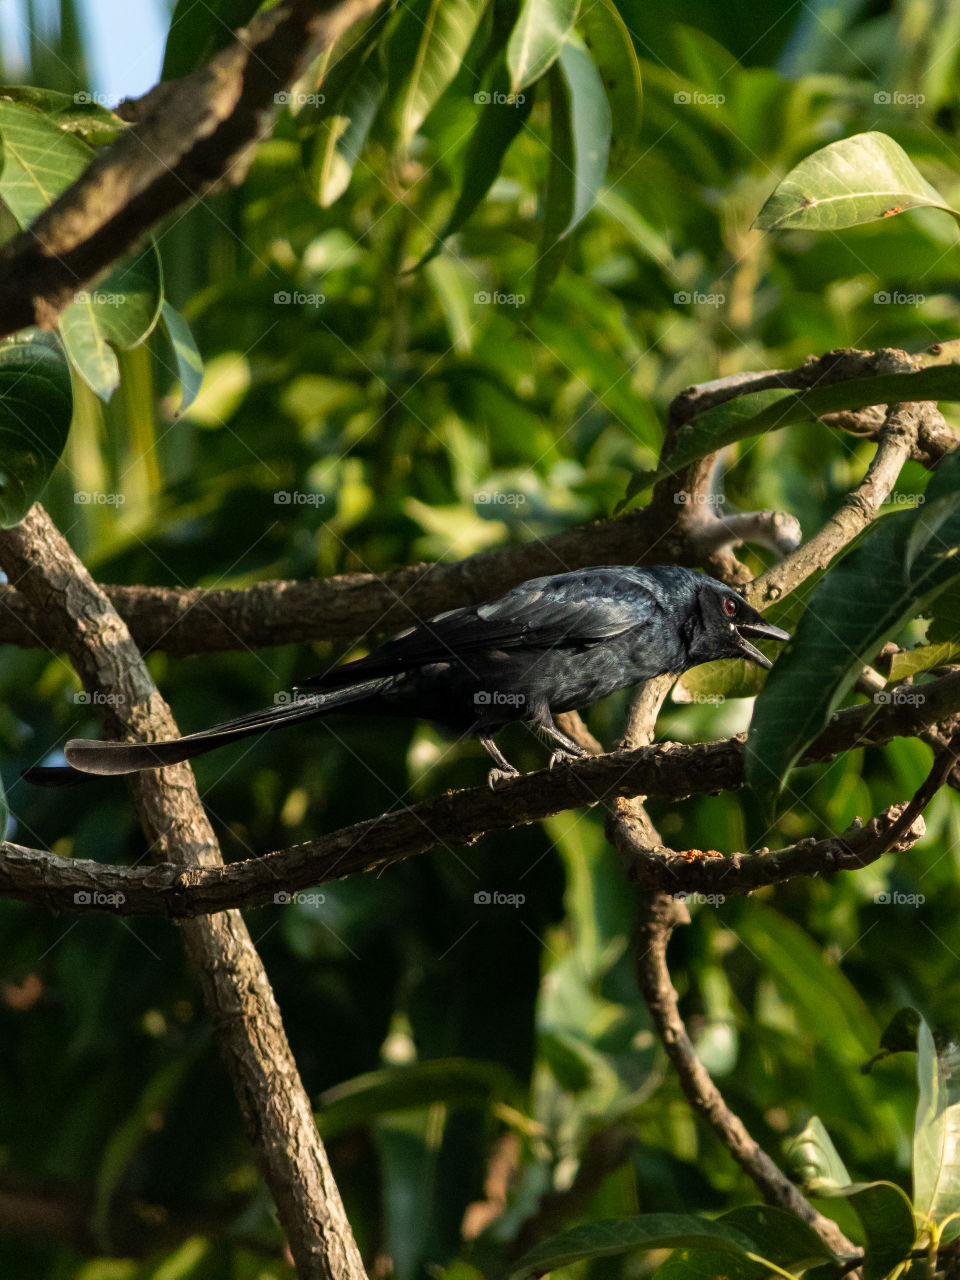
point(573, 610)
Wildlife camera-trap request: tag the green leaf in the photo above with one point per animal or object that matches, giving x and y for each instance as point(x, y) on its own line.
point(341, 137)
point(457, 1082)
point(936, 1136)
point(187, 355)
point(502, 116)
point(859, 602)
point(90, 354)
point(770, 410)
point(71, 112)
point(611, 47)
point(778, 1235)
point(444, 30)
point(198, 31)
point(888, 1224)
point(617, 1235)
point(714, 682)
point(814, 1161)
point(579, 150)
point(911, 662)
point(944, 625)
point(40, 159)
point(537, 38)
point(36, 404)
point(858, 179)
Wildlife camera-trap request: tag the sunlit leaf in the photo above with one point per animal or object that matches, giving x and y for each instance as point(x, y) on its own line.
point(858, 179)
point(608, 39)
point(936, 1137)
point(188, 359)
point(537, 38)
point(814, 1161)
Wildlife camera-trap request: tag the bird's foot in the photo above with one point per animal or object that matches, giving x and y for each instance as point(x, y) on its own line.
point(565, 757)
point(496, 777)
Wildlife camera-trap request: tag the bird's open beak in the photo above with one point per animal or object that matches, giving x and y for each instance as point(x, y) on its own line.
point(762, 631)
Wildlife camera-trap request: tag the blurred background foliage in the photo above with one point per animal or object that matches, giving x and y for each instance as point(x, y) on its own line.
point(533, 1095)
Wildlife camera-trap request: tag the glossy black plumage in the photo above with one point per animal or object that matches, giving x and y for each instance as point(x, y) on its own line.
point(552, 644)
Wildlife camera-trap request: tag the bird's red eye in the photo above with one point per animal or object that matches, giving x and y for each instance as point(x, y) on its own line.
point(729, 607)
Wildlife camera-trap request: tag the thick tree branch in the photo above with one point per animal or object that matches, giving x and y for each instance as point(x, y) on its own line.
point(668, 771)
point(191, 135)
point(78, 619)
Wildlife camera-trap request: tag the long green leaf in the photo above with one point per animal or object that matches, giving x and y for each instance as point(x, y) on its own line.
point(444, 29)
point(814, 1161)
point(537, 38)
point(858, 179)
point(341, 137)
point(859, 602)
point(611, 47)
point(936, 1137)
point(187, 355)
point(75, 113)
point(502, 116)
point(617, 1235)
point(36, 404)
point(769, 410)
point(40, 159)
point(888, 1224)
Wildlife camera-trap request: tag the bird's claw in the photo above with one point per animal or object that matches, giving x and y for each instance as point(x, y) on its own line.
point(497, 776)
point(563, 757)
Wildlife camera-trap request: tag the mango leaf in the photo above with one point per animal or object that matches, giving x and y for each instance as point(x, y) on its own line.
point(860, 602)
point(537, 38)
point(73, 112)
point(770, 410)
point(912, 661)
point(611, 47)
point(502, 116)
point(936, 1136)
point(458, 1082)
point(341, 137)
point(40, 159)
point(888, 1224)
point(858, 179)
point(708, 1264)
point(198, 31)
point(944, 625)
point(714, 682)
point(185, 351)
point(36, 404)
point(814, 1161)
point(443, 30)
point(579, 150)
point(778, 1235)
point(617, 1235)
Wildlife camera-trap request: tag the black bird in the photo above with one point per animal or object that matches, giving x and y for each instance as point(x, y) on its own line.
point(552, 644)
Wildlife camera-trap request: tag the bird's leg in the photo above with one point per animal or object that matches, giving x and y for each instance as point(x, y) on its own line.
point(568, 748)
point(504, 770)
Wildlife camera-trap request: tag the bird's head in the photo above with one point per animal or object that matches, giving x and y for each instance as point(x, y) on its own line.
point(724, 625)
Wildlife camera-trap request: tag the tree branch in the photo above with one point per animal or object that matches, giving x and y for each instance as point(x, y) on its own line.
point(192, 135)
point(668, 771)
point(277, 1115)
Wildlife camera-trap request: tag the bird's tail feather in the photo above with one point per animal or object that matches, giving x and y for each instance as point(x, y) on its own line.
point(89, 756)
